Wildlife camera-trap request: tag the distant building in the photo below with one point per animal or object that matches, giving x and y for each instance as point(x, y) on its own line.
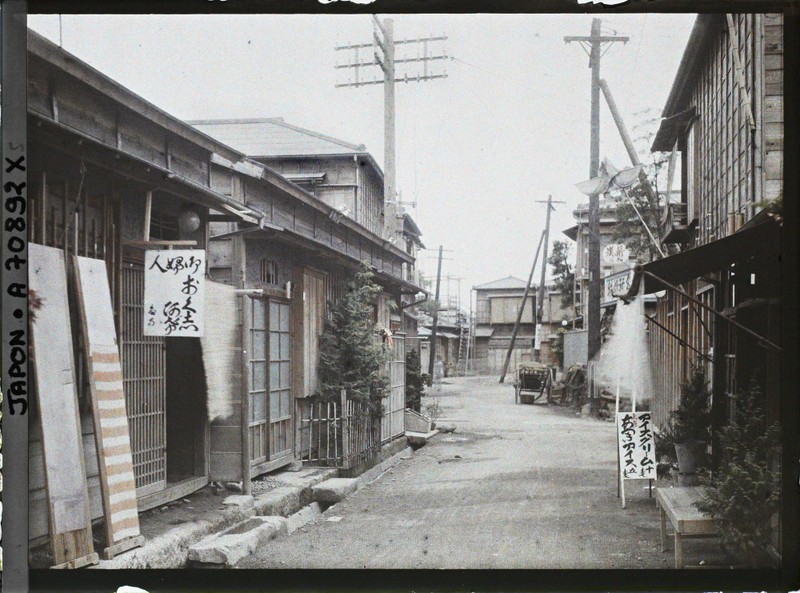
point(615, 262)
point(497, 305)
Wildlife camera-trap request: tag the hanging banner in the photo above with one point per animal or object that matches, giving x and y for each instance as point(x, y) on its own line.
point(537, 339)
point(637, 452)
point(174, 292)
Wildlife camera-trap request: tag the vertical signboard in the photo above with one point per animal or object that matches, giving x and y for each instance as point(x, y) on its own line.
point(637, 453)
point(174, 292)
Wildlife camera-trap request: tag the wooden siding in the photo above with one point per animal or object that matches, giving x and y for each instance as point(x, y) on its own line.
point(772, 124)
point(729, 167)
point(733, 171)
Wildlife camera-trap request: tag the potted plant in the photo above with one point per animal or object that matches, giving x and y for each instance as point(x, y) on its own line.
point(690, 423)
point(743, 495)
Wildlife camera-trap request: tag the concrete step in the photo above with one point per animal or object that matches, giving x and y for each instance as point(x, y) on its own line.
point(334, 490)
point(303, 517)
point(232, 545)
point(419, 439)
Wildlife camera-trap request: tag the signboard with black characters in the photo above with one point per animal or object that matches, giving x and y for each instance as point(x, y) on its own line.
point(174, 287)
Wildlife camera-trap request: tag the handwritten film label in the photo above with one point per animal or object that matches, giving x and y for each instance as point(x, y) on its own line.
point(174, 292)
point(15, 272)
point(637, 451)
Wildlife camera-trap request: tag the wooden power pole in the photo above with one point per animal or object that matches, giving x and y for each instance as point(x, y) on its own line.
point(537, 343)
point(520, 311)
point(594, 42)
point(435, 315)
point(383, 55)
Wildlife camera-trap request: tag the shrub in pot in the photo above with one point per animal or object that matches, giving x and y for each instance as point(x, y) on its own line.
point(744, 493)
point(690, 424)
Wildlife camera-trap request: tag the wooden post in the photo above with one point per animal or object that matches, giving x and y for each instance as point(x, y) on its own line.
point(345, 429)
point(537, 352)
point(390, 212)
point(148, 209)
point(519, 313)
point(435, 316)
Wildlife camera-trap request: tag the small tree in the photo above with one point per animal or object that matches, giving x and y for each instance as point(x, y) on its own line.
point(646, 194)
point(744, 494)
point(415, 387)
point(562, 272)
point(691, 421)
point(351, 357)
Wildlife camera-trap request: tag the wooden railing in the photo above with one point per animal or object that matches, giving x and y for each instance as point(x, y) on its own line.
point(341, 434)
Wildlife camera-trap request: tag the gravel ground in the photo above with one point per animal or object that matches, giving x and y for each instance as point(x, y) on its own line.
point(516, 486)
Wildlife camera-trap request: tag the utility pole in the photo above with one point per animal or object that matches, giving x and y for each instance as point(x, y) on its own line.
point(537, 344)
point(594, 42)
point(435, 315)
point(383, 55)
point(521, 310)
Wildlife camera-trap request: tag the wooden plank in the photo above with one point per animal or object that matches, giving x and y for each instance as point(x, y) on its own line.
point(123, 546)
point(173, 492)
point(54, 379)
point(773, 109)
point(773, 136)
point(773, 62)
point(112, 437)
point(773, 39)
point(773, 164)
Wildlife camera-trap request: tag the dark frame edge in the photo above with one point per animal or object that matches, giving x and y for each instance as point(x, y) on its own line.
point(14, 271)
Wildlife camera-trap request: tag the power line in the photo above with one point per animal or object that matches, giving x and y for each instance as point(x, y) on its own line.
point(382, 50)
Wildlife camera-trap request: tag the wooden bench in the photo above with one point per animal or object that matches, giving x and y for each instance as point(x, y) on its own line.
point(677, 505)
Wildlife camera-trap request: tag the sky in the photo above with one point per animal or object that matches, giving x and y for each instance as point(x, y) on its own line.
point(476, 150)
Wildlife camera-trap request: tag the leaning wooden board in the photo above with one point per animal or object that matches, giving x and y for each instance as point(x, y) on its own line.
point(54, 374)
point(115, 462)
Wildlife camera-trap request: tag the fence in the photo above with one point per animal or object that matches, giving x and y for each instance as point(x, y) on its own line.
point(332, 438)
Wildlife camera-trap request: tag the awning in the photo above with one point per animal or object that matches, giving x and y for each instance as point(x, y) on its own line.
point(670, 130)
point(484, 332)
point(698, 261)
point(670, 272)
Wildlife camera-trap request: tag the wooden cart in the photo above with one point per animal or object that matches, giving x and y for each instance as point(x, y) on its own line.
point(533, 382)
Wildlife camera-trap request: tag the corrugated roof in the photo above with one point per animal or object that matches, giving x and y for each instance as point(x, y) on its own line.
point(502, 283)
point(272, 137)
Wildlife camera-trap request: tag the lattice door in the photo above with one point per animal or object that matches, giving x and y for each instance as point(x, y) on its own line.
point(144, 381)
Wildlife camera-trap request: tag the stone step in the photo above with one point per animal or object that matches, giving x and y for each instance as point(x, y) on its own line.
point(418, 439)
point(232, 545)
point(334, 490)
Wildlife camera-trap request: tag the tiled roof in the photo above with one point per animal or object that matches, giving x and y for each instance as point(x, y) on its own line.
point(503, 283)
point(273, 137)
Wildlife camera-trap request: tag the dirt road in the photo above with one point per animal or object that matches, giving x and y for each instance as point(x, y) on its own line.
point(516, 486)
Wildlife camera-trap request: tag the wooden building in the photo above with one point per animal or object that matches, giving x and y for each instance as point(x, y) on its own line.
point(497, 305)
point(720, 296)
point(726, 125)
point(112, 175)
point(334, 191)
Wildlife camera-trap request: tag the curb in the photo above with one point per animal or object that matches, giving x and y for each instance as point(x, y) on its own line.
point(171, 549)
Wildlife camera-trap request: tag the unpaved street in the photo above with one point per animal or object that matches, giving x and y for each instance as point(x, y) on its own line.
point(516, 486)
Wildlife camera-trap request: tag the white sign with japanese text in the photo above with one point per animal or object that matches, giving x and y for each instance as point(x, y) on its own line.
point(618, 283)
point(637, 451)
point(174, 292)
point(616, 253)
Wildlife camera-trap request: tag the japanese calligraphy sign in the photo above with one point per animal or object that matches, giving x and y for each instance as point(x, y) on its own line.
point(618, 283)
point(616, 253)
point(174, 287)
point(637, 451)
